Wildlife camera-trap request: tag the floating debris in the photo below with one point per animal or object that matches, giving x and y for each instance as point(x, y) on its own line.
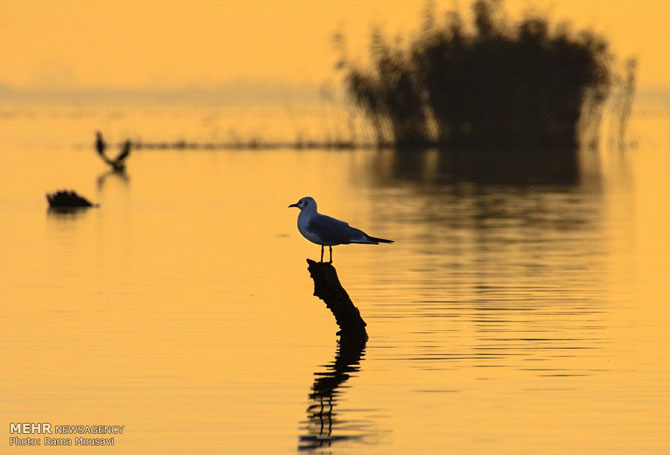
point(64, 199)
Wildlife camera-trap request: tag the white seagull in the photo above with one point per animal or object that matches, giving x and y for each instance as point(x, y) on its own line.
point(324, 230)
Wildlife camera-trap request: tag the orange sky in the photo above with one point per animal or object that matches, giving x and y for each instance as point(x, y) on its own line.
point(70, 44)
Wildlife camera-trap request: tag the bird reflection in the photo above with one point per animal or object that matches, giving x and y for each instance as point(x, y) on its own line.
point(114, 174)
point(323, 427)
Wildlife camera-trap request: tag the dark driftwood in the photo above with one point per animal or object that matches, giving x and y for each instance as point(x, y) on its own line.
point(327, 287)
point(67, 200)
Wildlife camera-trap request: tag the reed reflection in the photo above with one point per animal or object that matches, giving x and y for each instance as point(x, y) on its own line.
point(512, 168)
point(517, 257)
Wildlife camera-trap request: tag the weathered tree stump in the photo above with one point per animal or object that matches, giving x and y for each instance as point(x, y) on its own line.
point(327, 287)
point(321, 423)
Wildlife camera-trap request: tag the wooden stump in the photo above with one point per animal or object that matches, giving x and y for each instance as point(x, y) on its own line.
point(327, 287)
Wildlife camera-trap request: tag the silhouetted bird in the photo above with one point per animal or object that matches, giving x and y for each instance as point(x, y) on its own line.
point(100, 144)
point(117, 163)
point(326, 231)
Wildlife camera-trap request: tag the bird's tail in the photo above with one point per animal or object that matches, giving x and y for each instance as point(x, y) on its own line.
point(378, 240)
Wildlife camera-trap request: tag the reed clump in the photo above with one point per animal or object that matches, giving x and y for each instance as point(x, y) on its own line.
point(495, 84)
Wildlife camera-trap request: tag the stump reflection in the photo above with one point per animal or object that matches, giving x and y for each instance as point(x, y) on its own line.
point(322, 427)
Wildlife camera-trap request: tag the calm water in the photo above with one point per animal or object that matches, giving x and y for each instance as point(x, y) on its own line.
point(511, 316)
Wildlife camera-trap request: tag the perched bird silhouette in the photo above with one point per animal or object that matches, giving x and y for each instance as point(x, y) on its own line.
point(118, 163)
point(326, 231)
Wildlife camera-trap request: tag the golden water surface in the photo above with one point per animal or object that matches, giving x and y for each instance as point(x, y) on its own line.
point(510, 317)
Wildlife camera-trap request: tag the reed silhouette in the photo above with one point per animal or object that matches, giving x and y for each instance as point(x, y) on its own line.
point(499, 85)
point(254, 144)
point(622, 106)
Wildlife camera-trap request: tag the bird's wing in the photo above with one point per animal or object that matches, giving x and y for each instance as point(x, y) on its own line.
point(100, 145)
point(124, 152)
point(334, 231)
point(101, 152)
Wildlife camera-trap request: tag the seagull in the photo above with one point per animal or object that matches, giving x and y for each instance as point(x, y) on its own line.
point(118, 163)
point(324, 230)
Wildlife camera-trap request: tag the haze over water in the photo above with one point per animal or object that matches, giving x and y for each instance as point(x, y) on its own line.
point(508, 317)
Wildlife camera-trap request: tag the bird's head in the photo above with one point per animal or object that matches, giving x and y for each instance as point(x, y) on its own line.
point(305, 203)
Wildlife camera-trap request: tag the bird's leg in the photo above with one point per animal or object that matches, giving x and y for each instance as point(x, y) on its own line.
point(330, 248)
point(321, 253)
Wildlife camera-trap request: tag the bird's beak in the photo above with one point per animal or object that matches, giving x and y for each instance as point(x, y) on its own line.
point(293, 205)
